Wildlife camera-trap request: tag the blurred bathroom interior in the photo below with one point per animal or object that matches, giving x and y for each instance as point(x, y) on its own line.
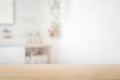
point(59, 31)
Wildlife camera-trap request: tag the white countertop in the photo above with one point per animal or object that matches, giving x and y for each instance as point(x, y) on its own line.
point(12, 42)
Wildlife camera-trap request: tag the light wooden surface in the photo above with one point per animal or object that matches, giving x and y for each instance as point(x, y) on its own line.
point(38, 46)
point(60, 72)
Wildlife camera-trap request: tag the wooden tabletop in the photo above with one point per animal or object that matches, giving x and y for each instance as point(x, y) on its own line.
point(60, 72)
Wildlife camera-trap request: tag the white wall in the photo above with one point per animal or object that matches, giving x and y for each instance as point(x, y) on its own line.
point(24, 17)
point(30, 16)
point(44, 19)
point(90, 33)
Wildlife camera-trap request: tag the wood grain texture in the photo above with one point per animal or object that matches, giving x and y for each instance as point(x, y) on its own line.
point(60, 72)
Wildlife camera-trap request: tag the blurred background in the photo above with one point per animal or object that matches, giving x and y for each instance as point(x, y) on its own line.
point(59, 32)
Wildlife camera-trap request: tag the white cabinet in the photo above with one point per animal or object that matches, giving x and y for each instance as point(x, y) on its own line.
point(12, 51)
point(12, 55)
